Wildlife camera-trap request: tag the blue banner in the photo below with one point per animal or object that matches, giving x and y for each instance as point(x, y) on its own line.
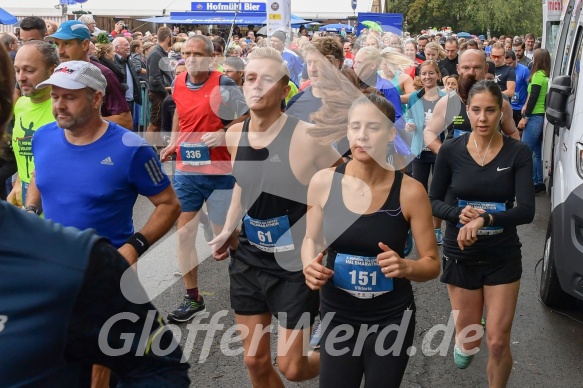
point(225, 6)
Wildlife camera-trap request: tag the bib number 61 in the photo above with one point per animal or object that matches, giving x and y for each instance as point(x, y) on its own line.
point(264, 236)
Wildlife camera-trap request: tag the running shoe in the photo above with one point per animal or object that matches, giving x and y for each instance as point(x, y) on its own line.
point(189, 309)
point(316, 335)
point(409, 244)
point(462, 361)
point(206, 227)
point(438, 236)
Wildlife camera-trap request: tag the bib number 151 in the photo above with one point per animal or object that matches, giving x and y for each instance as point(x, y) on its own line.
point(363, 278)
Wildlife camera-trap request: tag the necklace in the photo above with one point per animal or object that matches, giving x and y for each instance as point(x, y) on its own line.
point(483, 158)
point(370, 188)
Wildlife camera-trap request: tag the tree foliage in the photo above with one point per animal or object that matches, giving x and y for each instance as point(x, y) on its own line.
point(509, 17)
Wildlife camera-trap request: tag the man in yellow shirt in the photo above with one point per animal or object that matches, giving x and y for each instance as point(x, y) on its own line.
point(34, 63)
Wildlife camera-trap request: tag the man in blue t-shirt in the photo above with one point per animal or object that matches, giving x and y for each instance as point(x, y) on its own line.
point(366, 66)
point(521, 91)
point(294, 62)
point(89, 171)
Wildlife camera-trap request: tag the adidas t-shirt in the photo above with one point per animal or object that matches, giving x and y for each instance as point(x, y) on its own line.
point(28, 117)
point(95, 185)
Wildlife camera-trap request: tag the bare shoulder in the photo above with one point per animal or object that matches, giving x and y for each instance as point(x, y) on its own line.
point(322, 178)
point(442, 103)
point(320, 184)
point(412, 195)
point(233, 136)
point(235, 128)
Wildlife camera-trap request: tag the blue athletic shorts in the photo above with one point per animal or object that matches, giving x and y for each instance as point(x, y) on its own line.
point(194, 190)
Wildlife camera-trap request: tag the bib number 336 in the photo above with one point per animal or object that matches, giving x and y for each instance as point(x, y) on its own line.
point(195, 154)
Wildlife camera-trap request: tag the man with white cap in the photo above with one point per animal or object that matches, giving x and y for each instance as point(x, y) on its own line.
point(72, 40)
point(89, 171)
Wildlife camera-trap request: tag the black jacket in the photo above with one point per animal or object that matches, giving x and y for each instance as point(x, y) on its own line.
point(122, 65)
point(159, 74)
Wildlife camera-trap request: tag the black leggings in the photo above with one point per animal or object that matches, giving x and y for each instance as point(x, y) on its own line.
point(347, 370)
point(421, 171)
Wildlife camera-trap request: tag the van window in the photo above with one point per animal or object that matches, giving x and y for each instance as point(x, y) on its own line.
point(575, 65)
point(571, 26)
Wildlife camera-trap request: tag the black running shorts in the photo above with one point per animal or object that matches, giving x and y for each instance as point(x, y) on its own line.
point(476, 275)
point(254, 292)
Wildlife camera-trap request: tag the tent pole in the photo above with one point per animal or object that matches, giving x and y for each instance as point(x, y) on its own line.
point(232, 28)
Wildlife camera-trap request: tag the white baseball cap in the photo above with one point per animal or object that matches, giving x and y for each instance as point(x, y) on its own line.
point(75, 75)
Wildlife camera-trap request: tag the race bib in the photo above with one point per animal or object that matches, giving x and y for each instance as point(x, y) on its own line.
point(195, 154)
point(272, 235)
point(490, 208)
point(459, 132)
point(360, 276)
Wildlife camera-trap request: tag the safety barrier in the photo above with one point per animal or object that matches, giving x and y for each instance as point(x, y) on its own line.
point(145, 110)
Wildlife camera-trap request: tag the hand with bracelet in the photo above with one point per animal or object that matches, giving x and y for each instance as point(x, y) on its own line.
point(468, 234)
point(470, 213)
point(522, 122)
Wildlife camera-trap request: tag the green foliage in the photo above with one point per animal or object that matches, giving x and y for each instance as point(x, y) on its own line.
point(509, 17)
point(102, 38)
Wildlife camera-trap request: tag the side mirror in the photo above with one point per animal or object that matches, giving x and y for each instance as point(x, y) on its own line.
point(557, 97)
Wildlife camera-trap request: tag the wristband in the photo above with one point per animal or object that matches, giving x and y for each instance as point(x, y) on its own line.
point(486, 218)
point(33, 209)
point(139, 242)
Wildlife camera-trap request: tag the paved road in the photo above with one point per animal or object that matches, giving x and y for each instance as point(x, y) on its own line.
point(547, 347)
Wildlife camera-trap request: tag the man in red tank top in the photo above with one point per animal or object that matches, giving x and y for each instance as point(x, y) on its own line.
point(206, 104)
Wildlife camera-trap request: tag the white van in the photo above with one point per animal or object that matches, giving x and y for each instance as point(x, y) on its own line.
point(562, 273)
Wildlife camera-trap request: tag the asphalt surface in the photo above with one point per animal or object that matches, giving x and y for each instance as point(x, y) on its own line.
point(547, 346)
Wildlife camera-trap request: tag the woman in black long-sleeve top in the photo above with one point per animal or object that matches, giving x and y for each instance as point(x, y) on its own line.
point(488, 181)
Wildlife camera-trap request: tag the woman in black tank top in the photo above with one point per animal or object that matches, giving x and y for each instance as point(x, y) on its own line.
point(361, 212)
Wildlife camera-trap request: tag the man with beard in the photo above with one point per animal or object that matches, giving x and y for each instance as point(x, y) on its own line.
point(89, 172)
point(519, 51)
point(72, 40)
point(34, 63)
point(451, 111)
